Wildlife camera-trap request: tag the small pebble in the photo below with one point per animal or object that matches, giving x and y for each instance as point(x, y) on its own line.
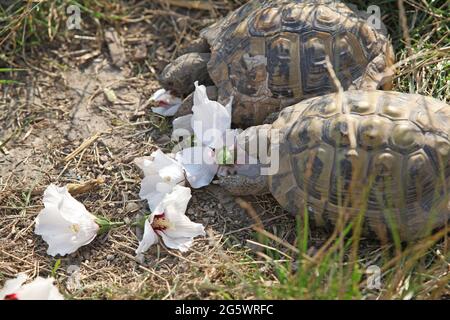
point(110, 257)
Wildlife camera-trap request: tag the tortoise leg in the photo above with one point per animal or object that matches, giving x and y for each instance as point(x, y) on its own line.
point(379, 72)
point(199, 45)
point(186, 106)
point(271, 118)
point(240, 185)
point(180, 75)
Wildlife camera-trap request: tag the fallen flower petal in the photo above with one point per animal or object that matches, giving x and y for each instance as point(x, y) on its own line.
point(210, 119)
point(150, 238)
point(156, 162)
point(38, 289)
point(170, 223)
point(168, 104)
point(161, 174)
point(200, 165)
point(64, 223)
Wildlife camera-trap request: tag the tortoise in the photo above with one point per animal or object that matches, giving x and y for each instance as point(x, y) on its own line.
point(382, 154)
point(270, 54)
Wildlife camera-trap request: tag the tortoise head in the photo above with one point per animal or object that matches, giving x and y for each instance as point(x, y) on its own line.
point(179, 76)
point(171, 81)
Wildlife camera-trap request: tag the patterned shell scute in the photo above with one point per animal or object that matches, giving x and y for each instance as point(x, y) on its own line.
point(272, 53)
point(387, 153)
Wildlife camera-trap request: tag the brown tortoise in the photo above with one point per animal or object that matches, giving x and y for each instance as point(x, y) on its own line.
point(382, 154)
point(270, 55)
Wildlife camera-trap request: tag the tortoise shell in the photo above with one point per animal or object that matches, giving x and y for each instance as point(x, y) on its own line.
point(270, 54)
point(384, 154)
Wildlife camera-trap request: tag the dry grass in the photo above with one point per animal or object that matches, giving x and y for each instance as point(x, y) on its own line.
point(60, 104)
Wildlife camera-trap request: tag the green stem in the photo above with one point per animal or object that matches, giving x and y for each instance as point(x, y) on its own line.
point(106, 225)
point(140, 222)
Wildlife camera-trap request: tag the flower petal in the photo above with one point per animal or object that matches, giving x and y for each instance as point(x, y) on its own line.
point(153, 164)
point(182, 244)
point(64, 243)
point(229, 107)
point(150, 238)
point(69, 208)
point(168, 104)
point(40, 289)
point(172, 174)
point(185, 228)
point(174, 203)
point(13, 285)
point(182, 123)
point(161, 173)
point(200, 95)
point(210, 119)
point(200, 165)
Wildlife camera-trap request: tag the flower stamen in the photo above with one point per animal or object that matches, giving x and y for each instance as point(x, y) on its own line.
point(160, 223)
point(75, 228)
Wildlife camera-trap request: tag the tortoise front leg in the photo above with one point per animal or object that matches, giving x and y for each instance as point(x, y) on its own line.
point(180, 75)
point(198, 45)
point(240, 185)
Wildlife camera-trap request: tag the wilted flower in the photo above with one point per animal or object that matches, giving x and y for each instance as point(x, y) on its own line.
point(64, 223)
point(38, 289)
point(168, 105)
point(169, 222)
point(161, 175)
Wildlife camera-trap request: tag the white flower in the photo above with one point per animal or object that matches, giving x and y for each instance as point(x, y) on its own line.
point(168, 105)
point(200, 165)
point(210, 123)
point(210, 119)
point(161, 175)
point(169, 222)
point(64, 223)
point(38, 289)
